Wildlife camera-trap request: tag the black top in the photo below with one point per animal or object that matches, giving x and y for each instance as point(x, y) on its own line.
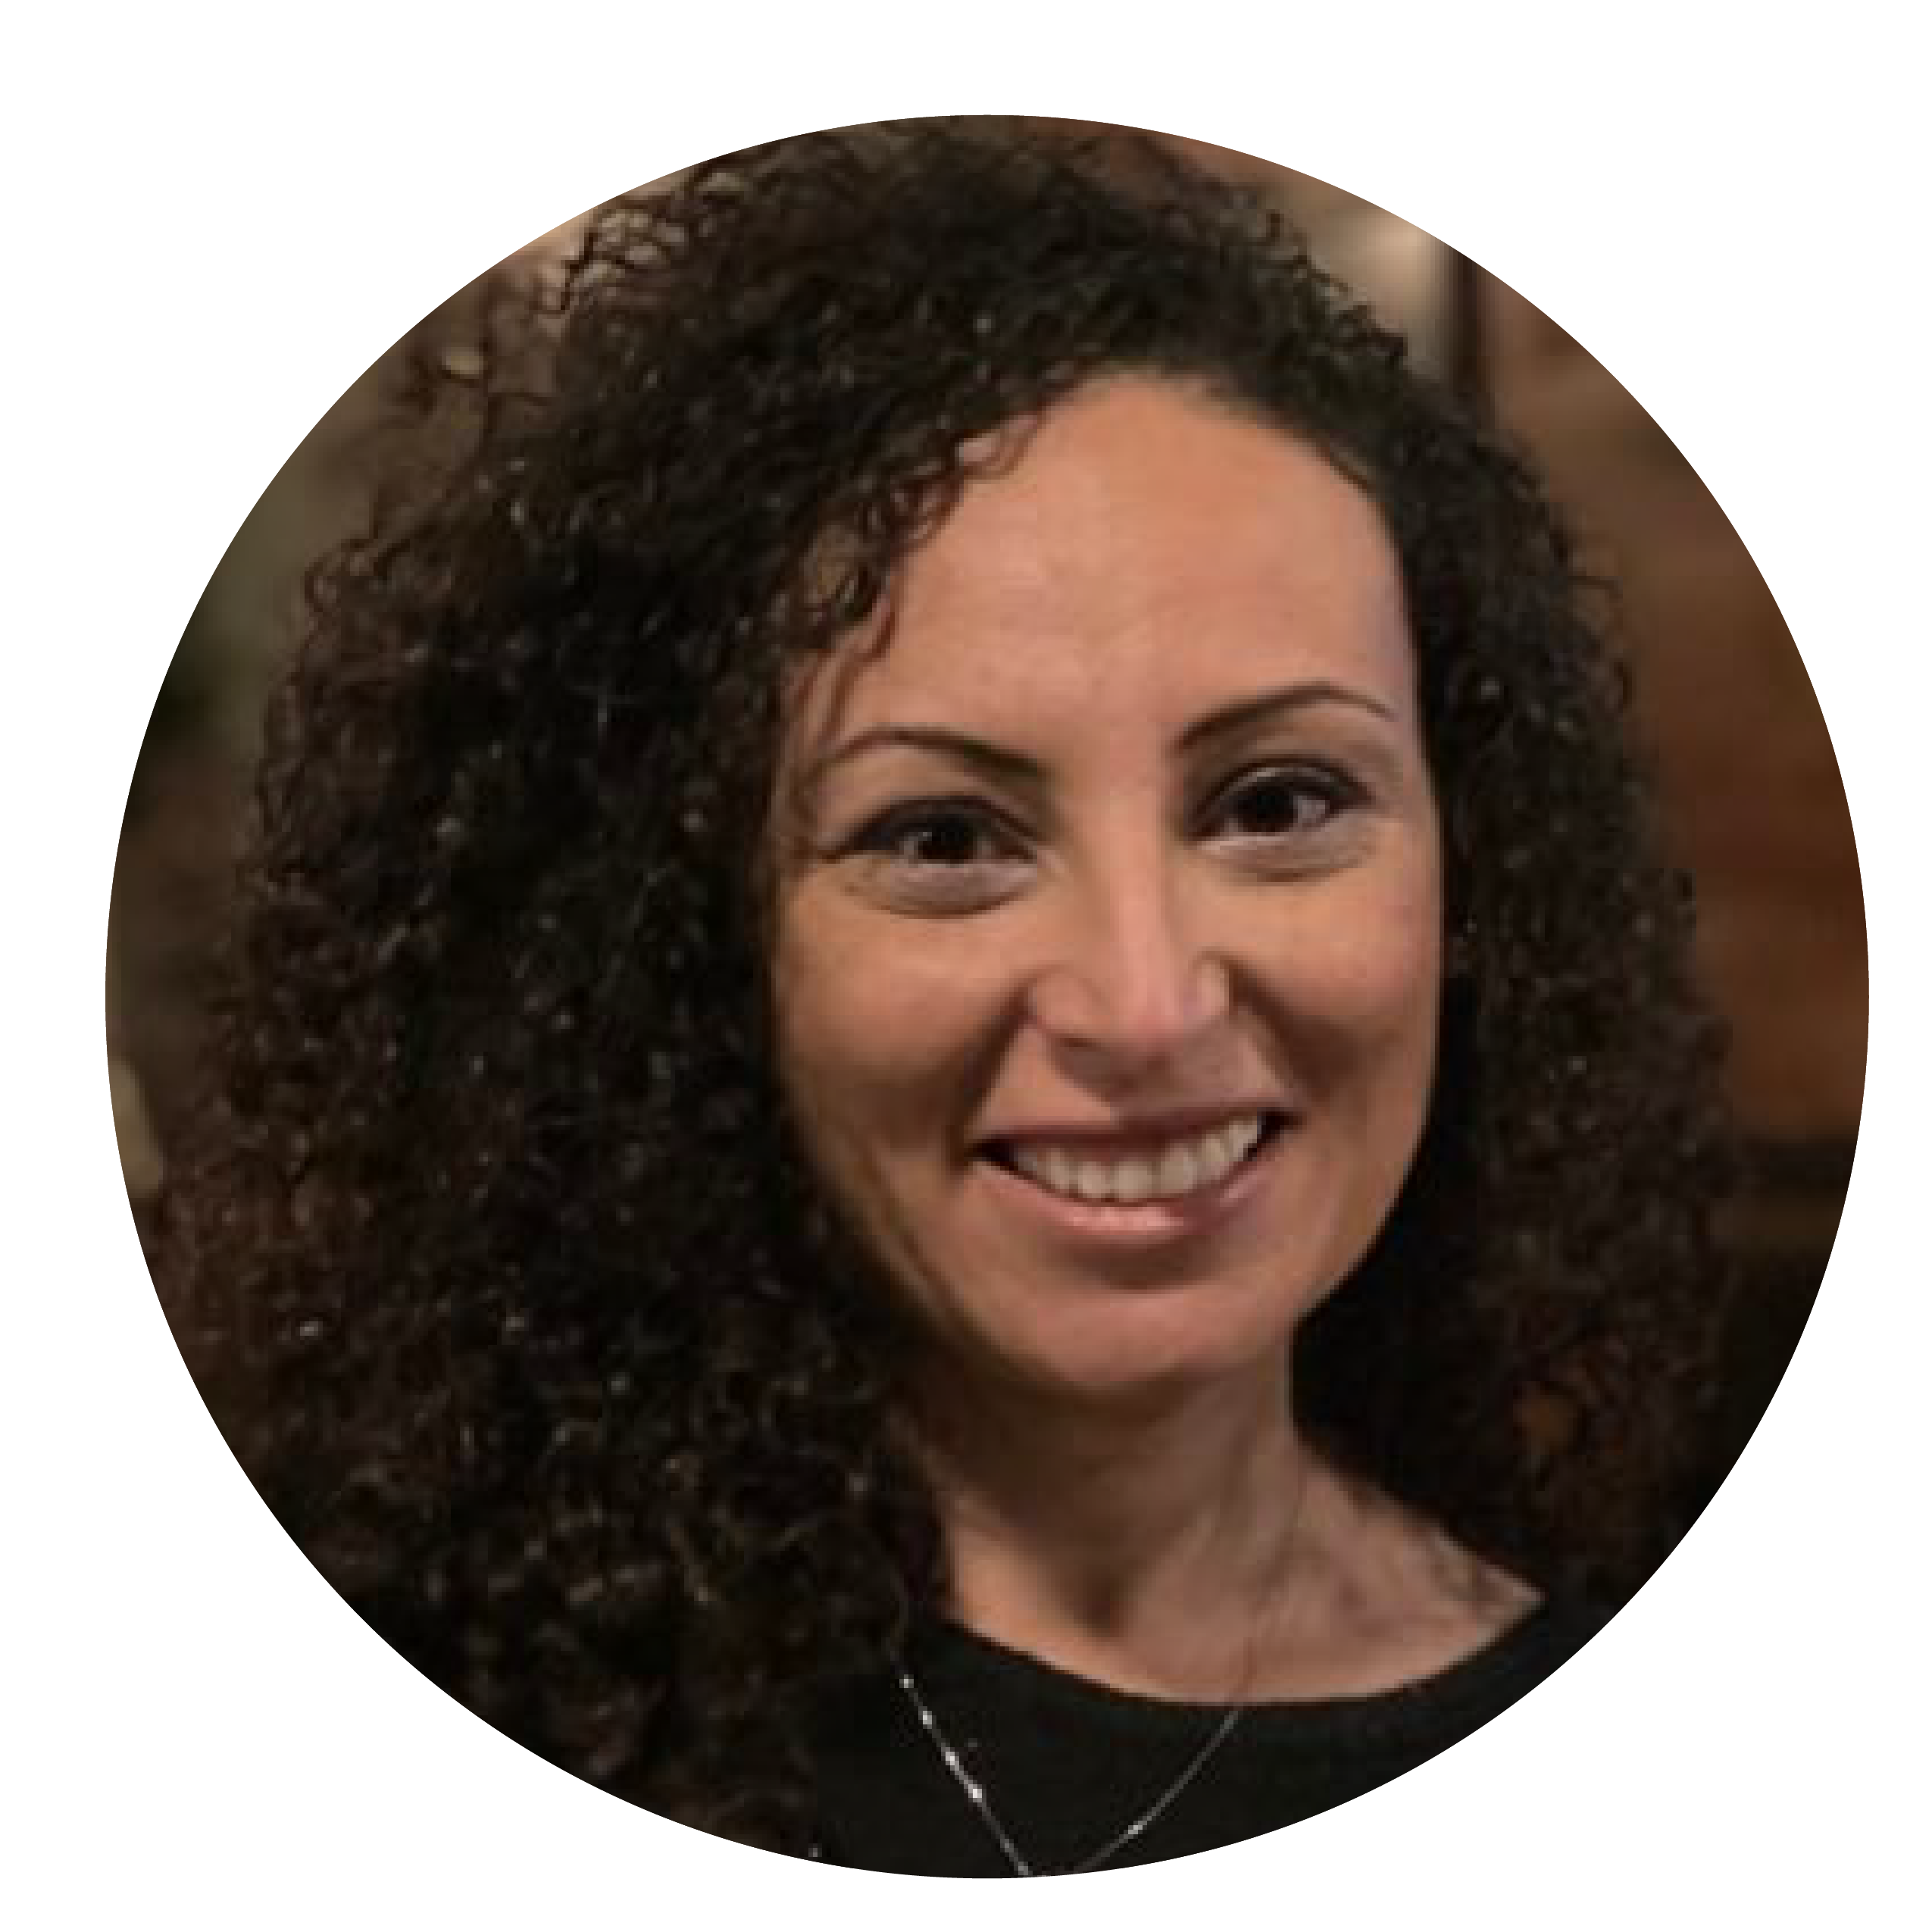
point(1552, 1749)
point(1065, 1762)
point(1560, 1747)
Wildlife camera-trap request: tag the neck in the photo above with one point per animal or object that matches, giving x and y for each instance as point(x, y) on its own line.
point(1144, 1544)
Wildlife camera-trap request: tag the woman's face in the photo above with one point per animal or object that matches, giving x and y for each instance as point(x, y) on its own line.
point(1108, 950)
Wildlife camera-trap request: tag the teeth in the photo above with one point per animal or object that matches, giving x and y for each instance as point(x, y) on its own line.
point(1181, 1169)
point(1180, 1172)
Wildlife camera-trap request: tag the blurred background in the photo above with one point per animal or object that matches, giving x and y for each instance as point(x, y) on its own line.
point(1712, 332)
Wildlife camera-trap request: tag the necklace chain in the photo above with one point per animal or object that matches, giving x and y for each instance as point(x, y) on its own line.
point(976, 1795)
point(1157, 1809)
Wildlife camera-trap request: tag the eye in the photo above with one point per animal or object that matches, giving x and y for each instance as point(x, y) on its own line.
point(940, 855)
point(940, 833)
point(1278, 803)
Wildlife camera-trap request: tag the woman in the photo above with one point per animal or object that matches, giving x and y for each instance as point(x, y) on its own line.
point(981, 819)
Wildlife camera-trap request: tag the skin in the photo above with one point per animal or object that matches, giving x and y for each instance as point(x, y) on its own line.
point(1121, 828)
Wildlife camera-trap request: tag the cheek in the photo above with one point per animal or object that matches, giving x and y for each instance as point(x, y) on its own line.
point(870, 1058)
point(1397, 991)
point(1358, 1008)
point(872, 1034)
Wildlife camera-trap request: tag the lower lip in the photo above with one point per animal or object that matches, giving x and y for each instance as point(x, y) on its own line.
point(1136, 1225)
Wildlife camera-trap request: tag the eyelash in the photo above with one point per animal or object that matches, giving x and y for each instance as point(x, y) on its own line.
point(1336, 789)
point(970, 882)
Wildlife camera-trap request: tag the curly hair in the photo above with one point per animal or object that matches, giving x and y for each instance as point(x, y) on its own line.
point(498, 1256)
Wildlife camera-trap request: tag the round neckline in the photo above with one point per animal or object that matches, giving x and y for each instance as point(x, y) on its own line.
point(958, 1650)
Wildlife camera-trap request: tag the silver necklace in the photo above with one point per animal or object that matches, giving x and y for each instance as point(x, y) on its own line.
point(1169, 1793)
point(976, 1795)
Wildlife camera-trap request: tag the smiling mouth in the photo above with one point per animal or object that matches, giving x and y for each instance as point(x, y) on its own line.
point(1169, 1171)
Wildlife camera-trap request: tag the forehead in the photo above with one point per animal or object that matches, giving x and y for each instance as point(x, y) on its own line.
point(1142, 548)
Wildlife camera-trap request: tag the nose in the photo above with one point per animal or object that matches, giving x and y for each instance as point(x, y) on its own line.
point(1134, 980)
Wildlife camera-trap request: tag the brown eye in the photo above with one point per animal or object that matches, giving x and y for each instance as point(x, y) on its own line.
point(942, 838)
point(941, 855)
point(940, 834)
point(1280, 802)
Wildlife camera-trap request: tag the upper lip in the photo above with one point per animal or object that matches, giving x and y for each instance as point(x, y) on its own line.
point(1135, 1131)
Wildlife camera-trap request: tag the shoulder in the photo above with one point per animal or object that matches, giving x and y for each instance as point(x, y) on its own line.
point(1388, 1599)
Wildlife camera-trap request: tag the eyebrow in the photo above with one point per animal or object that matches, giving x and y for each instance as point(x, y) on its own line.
point(998, 762)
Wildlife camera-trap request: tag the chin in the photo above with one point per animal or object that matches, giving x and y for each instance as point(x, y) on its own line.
point(1128, 1351)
